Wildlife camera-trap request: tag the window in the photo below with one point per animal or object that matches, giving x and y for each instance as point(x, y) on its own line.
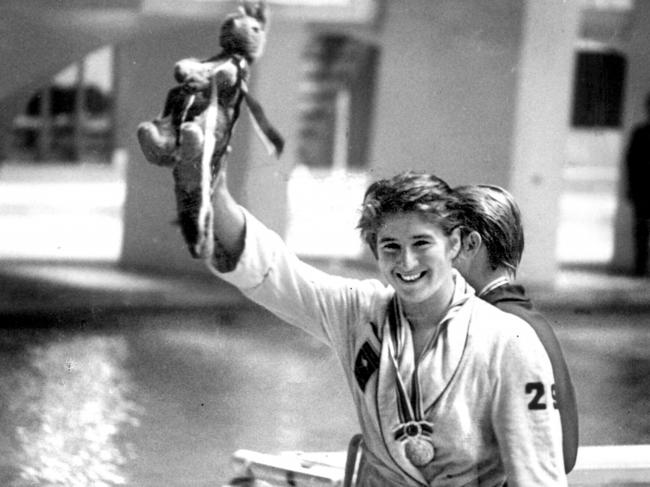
point(598, 89)
point(335, 126)
point(71, 118)
point(337, 101)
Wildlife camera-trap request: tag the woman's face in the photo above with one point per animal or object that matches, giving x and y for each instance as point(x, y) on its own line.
point(415, 257)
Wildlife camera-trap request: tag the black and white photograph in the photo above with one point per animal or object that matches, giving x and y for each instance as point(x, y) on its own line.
point(345, 243)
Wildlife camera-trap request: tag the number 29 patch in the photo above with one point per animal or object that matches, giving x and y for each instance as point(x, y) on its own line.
point(538, 400)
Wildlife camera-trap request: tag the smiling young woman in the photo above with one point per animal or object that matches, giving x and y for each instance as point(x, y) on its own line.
point(413, 228)
point(414, 256)
point(446, 386)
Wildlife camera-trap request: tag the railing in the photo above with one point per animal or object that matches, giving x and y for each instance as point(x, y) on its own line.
point(597, 466)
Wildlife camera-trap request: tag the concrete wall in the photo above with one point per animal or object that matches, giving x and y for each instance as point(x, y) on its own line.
point(542, 128)
point(447, 89)
point(145, 73)
point(445, 103)
point(41, 38)
point(275, 85)
point(479, 92)
point(38, 41)
point(474, 91)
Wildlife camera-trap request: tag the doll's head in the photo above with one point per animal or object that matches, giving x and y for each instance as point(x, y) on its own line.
point(244, 32)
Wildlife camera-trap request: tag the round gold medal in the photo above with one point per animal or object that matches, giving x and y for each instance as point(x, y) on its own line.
point(419, 450)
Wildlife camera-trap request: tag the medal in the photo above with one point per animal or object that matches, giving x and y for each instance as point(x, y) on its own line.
point(410, 427)
point(419, 451)
point(418, 444)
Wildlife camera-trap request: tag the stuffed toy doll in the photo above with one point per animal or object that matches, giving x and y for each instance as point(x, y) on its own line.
point(192, 134)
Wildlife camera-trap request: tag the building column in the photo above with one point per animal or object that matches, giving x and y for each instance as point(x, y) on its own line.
point(541, 129)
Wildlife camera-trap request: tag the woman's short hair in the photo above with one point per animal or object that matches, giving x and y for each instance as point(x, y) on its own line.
point(493, 213)
point(408, 191)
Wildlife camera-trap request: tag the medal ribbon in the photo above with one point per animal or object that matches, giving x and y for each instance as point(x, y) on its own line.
point(410, 409)
point(409, 395)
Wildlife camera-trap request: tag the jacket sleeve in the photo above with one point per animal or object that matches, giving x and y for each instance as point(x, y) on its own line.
point(525, 412)
point(324, 305)
point(566, 394)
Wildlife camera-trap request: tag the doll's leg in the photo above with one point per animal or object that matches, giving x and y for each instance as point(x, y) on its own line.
point(157, 141)
point(192, 199)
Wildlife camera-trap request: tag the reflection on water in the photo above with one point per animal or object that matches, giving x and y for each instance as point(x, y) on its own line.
point(65, 405)
point(72, 404)
point(609, 359)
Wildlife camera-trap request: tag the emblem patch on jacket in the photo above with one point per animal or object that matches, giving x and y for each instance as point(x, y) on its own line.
point(366, 364)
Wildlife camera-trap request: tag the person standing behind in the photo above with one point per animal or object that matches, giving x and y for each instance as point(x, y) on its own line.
point(637, 161)
point(491, 250)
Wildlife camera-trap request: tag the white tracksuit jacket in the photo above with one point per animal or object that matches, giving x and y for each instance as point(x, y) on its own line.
point(494, 420)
